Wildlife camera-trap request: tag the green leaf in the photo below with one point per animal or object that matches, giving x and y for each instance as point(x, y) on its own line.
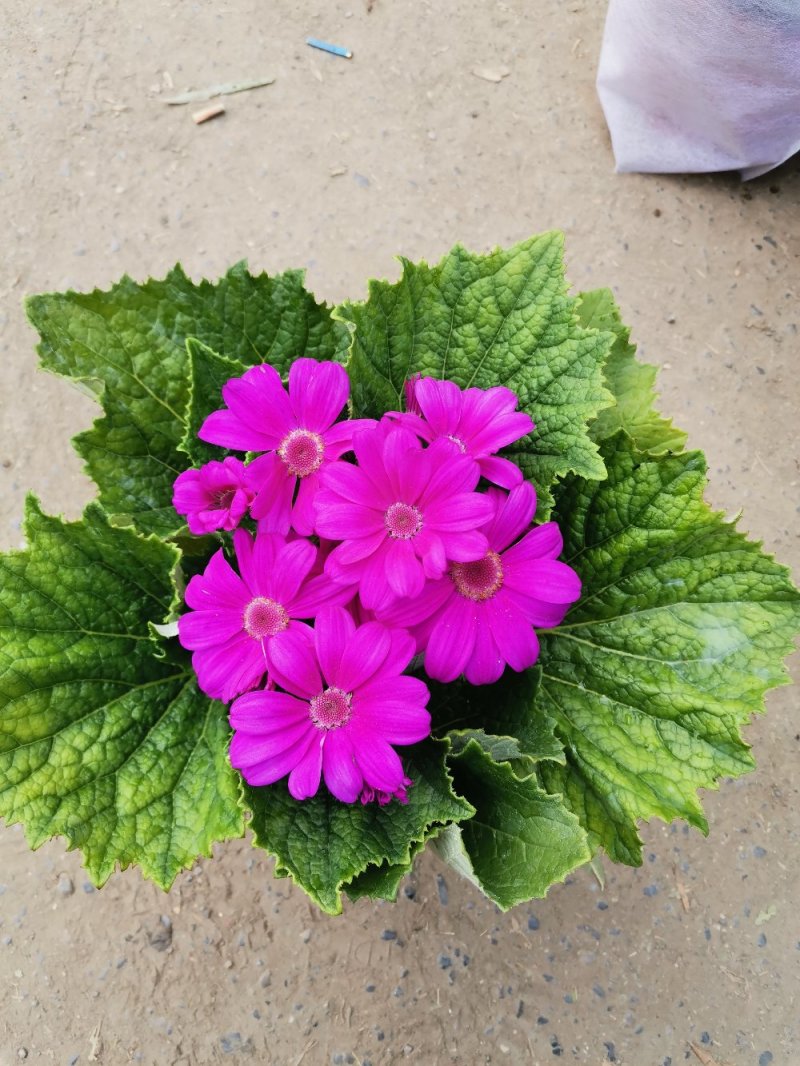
point(632, 383)
point(521, 840)
point(506, 709)
point(324, 844)
point(100, 741)
point(128, 345)
point(208, 372)
point(382, 882)
point(681, 628)
point(482, 320)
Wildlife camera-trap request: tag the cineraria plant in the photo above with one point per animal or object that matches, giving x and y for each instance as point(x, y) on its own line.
point(427, 568)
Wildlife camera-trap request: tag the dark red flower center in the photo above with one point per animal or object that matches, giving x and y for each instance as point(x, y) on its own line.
point(223, 499)
point(302, 451)
point(331, 708)
point(264, 618)
point(403, 521)
point(479, 580)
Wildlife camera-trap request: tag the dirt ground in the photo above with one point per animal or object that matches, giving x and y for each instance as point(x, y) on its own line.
point(338, 166)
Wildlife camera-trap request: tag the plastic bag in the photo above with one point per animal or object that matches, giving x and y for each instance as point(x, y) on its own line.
point(701, 85)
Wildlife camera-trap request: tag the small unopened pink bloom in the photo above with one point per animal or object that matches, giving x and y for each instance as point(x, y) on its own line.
point(401, 514)
point(346, 702)
point(297, 430)
point(479, 421)
point(481, 615)
point(374, 795)
point(214, 497)
point(234, 618)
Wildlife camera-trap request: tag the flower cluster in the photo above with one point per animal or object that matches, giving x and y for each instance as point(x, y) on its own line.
point(370, 543)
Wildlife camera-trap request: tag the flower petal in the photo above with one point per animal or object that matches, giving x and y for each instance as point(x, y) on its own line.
point(378, 761)
point(304, 515)
point(458, 513)
point(304, 778)
point(513, 515)
point(339, 438)
point(266, 711)
point(317, 392)
point(452, 640)
point(280, 763)
point(486, 664)
point(333, 631)
point(514, 637)
point(293, 563)
point(218, 586)
point(500, 471)
point(269, 477)
point(342, 776)
point(293, 664)
point(258, 399)
point(363, 656)
point(226, 430)
point(544, 579)
point(393, 708)
point(208, 629)
point(230, 669)
point(404, 572)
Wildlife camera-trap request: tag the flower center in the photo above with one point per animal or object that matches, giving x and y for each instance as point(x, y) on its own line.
point(302, 451)
point(264, 618)
point(479, 580)
point(403, 521)
point(331, 708)
point(224, 499)
point(457, 441)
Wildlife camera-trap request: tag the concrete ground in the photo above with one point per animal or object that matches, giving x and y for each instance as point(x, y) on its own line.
point(339, 166)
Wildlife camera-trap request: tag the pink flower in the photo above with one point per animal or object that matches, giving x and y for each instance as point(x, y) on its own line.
point(214, 497)
point(402, 513)
point(296, 430)
point(233, 618)
point(480, 615)
point(479, 421)
point(374, 795)
point(346, 703)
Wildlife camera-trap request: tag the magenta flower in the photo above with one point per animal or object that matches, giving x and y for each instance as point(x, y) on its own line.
point(346, 703)
point(479, 422)
point(214, 497)
point(233, 618)
point(296, 430)
point(480, 616)
point(402, 513)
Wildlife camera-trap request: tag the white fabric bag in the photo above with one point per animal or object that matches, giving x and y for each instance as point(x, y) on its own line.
point(700, 85)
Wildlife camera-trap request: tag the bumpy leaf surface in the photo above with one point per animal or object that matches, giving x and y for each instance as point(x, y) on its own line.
point(324, 844)
point(521, 840)
point(100, 741)
point(483, 320)
point(632, 383)
point(682, 627)
point(208, 372)
point(129, 346)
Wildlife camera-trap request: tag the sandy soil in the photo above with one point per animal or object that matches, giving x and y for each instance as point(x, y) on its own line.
point(337, 167)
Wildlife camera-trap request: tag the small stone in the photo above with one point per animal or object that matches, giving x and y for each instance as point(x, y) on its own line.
point(265, 980)
point(22, 1053)
point(65, 886)
point(305, 936)
point(441, 888)
point(388, 934)
point(533, 922)
point(445, 962)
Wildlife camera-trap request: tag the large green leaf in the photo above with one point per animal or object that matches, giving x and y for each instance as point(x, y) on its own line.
point(208, 372)
point(100, 741)
point(632, 383)
point(128, 345)
point(521, 840)
point(324, 844)
point(507, 709)
point(482, 320)
point(682, 627)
